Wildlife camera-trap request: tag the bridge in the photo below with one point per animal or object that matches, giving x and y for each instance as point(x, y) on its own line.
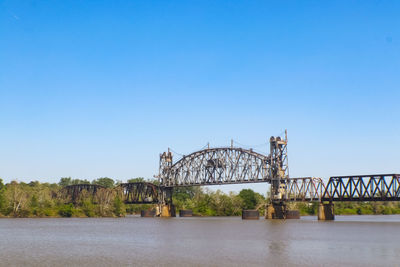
point(140, 193)
point(225, 165)
point(377, 187)
point(73, 193)
point(130, 193)
point(235, 165)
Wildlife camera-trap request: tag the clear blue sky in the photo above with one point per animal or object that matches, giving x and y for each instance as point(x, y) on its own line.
point(99, 88)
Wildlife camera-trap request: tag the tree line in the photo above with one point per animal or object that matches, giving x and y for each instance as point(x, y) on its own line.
point(35, 199)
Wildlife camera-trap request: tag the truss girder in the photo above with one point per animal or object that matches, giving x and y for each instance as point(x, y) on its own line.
point(378, 187)
point(216, 166)
point(140, 193)
point(73, 192)
point(304, 189)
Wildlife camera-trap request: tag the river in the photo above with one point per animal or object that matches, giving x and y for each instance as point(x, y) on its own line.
point(199, 241)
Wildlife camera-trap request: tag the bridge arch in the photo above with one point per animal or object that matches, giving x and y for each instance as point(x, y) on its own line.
point(213, 166)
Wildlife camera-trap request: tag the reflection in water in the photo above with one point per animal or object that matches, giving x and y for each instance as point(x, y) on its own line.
point(215, 241)
point(277, 248)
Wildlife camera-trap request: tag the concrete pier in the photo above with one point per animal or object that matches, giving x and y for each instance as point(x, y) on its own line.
point(168, 210)
point(292, 214)
point(280, 211)
point(326, 212)
point(185, 213)
point(250, 214)
point(275, 211)
point(148, 213)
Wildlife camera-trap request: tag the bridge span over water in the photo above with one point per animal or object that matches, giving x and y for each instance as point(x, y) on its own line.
point(235, 165)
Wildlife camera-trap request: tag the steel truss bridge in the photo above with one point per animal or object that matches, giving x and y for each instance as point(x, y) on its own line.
point(74, 193)
point(377, 187)
point(381, 187)
point(214, 166)
point(139, 193)
point(235, 165)
point(131, 193)
point(225, 165)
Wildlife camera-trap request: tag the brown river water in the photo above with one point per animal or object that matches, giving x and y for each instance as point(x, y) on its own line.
point(200, 241)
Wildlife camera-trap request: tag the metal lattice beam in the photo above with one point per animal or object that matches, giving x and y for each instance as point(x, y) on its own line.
point(140, 193)
point(304, 189)
point(225, 165)
point(73, 192)
point(376, 187)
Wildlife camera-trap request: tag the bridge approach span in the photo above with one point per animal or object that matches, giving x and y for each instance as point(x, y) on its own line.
point(139, 193)
point(130, 193)
point(373, 187)
point(73, 193)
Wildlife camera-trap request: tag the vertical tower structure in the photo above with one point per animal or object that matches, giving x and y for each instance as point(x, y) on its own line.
point(279, 170)
point(166, 207)
point(165, 168)
point(279, 173)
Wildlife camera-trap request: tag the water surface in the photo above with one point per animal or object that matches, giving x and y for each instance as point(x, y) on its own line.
point(211, 241)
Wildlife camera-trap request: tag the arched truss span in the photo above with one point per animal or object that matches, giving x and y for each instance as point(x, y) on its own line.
point(225, 165)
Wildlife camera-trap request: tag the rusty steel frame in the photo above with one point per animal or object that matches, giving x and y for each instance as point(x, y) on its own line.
point(228, 165)
point(75, 191)
point(214, 166)
point(376, 187)
point(304, 189)
point(140, 193)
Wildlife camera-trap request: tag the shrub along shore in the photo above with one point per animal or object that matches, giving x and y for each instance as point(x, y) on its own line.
point(35, 199)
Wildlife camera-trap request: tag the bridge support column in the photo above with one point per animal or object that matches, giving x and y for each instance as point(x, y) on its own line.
point(275, 211)
point(168, 210)
point(326, 212)
point(185, 213)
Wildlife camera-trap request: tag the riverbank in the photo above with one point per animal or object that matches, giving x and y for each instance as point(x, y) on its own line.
point(44, 200)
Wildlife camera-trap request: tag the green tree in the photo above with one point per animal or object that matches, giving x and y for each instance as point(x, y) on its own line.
point(119, 207)
point(65, 181)
point(17, 197)
point(182, 197)
point(184, 193)
point(66, 210)
point(34, 184)
point(249, 198)
point(88, 208)
point(222, 204)
point(79, 181)
point(104, 181)
point(2, 197)
point(136, 180)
